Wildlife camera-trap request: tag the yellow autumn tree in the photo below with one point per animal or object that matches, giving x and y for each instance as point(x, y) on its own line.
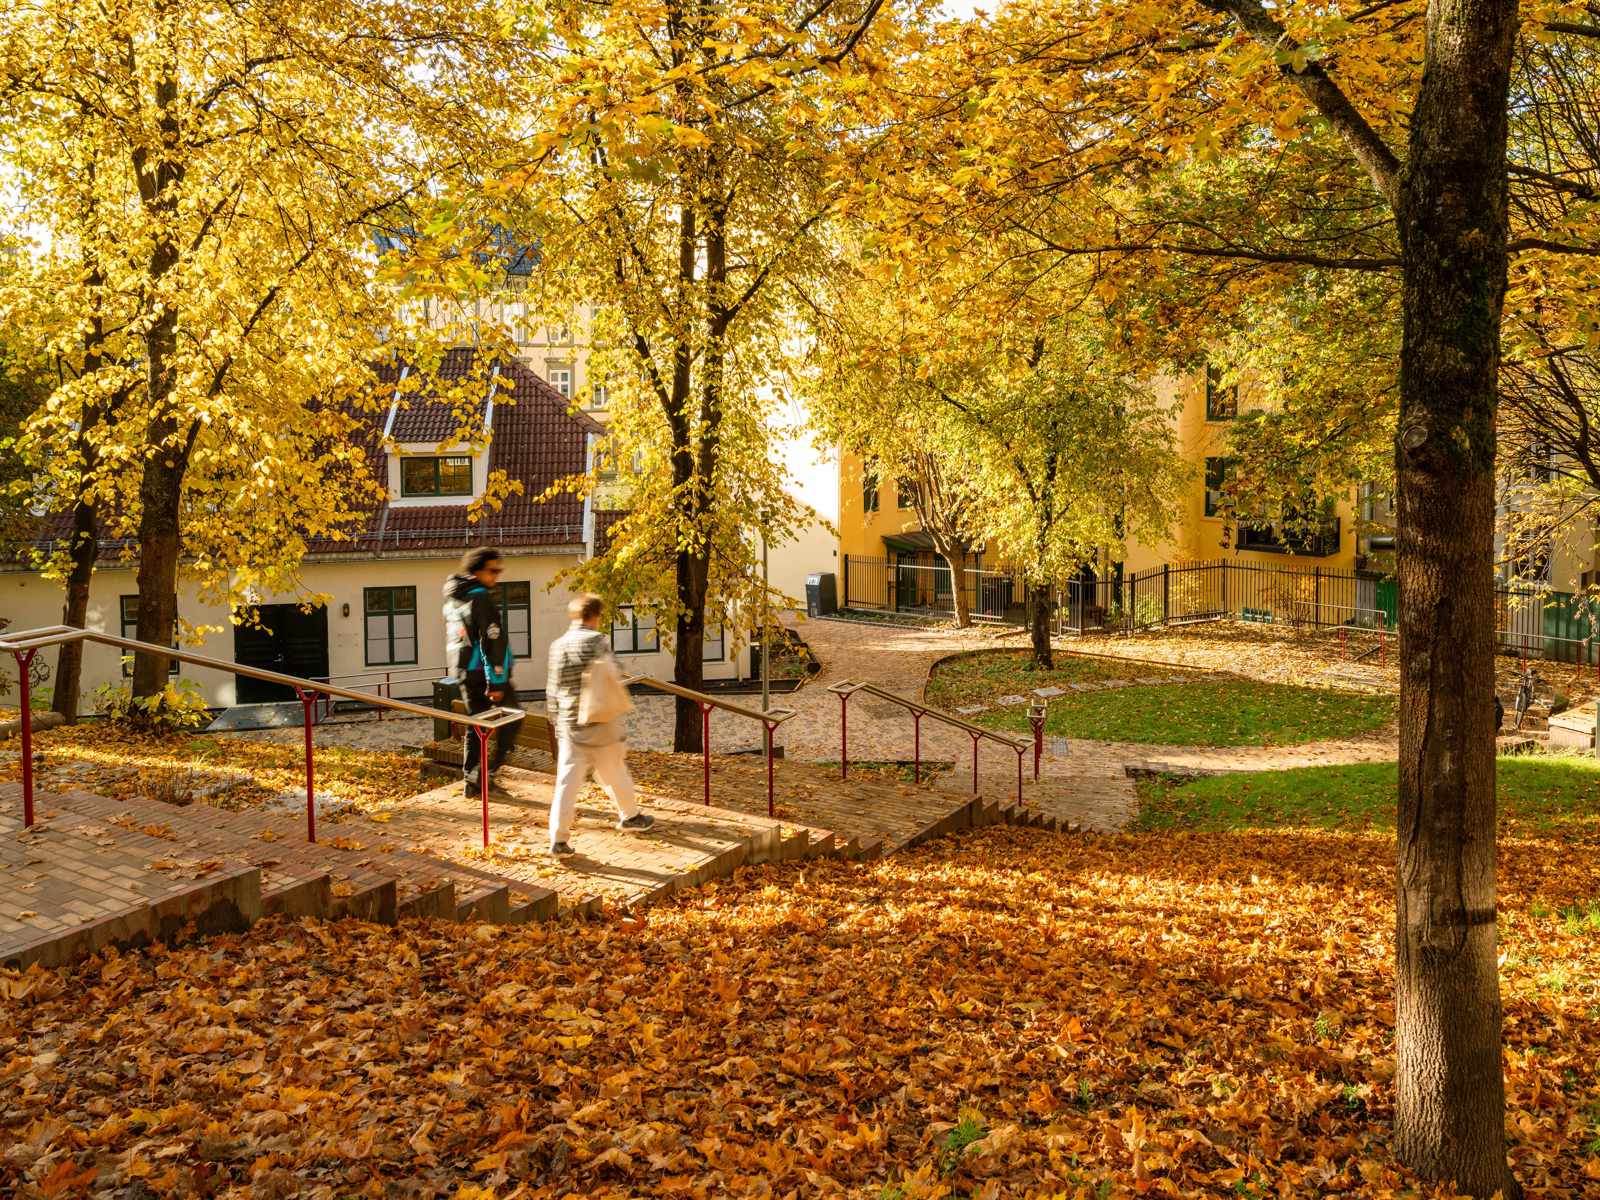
point(682, 181)
point(1236, 148)
point(202, 181)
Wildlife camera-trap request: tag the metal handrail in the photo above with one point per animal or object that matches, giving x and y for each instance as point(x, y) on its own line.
point(24, 644)
point(383, 681)
point(844, 689)
point(419, 672)
point(770, 720)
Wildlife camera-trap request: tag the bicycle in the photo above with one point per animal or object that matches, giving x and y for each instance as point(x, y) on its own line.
point(1525, 686)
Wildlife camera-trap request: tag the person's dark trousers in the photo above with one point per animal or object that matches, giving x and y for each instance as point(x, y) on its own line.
point(503, 740)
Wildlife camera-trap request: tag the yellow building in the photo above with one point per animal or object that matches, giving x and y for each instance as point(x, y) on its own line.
point(1203, 416)
point(881, 542)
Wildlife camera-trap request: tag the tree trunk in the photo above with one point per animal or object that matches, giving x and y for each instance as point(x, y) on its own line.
point(160, 498)
point(75, 611)
point(688, 658)
point(1449, 1092)
point(958, 587)
point(694, 561)
point(1039, 625)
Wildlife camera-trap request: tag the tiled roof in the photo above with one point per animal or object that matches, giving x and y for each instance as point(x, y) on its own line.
point(422, 415)
point(536, 440)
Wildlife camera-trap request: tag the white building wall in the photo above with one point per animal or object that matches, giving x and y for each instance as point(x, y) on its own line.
point(815, 551)
point(30, 601)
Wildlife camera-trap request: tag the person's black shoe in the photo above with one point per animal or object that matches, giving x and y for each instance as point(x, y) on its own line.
point(637, 824)
point(562, 850)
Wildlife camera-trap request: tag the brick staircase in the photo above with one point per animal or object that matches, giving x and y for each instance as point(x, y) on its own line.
point(95, 872)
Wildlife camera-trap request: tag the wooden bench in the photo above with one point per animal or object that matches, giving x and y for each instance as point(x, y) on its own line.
point(535, 732)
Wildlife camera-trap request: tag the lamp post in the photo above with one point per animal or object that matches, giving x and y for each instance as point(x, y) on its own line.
point(766, 615)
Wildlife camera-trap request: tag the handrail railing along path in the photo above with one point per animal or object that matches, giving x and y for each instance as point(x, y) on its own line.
point(25, 644)
point(844, 689)
point(384, 679)
point(770, 720)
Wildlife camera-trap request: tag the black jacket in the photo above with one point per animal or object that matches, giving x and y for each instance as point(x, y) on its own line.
point(475, 633)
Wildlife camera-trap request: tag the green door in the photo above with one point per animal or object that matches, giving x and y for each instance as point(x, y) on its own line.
point(1389, 602)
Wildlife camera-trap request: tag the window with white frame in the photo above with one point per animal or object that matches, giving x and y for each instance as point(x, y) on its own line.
point(599, 398)
point(561, 378)
point(390, 615)
point(715, 648)
point(634, 633)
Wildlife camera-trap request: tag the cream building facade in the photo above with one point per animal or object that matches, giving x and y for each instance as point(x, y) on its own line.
point(376, 618)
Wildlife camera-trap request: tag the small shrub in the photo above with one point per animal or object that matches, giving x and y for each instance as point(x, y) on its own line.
point(176, 708)
point(1148, 610)
point(176, 787)
point(968, 1130)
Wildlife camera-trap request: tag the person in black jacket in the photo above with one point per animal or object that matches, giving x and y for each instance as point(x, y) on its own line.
point(478, 654)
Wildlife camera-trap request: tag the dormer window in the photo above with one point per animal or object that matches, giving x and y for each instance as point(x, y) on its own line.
point(436, 475)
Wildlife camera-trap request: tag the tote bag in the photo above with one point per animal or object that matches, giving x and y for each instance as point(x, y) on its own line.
point(602, 696)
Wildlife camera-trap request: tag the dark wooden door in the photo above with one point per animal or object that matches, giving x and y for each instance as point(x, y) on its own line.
point(288, 641)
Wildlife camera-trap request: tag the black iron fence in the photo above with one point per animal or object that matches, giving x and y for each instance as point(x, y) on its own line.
point(924, 586)
point(1531, 621)
point(1177, 593)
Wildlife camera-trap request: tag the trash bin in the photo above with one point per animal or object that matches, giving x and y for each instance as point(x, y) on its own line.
point(445, 693)
point(822, 595)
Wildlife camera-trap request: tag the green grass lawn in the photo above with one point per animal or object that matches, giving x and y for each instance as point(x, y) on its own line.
point(1537, 796)
point(1210, 713)
point(983, 678)
point(1204, 712)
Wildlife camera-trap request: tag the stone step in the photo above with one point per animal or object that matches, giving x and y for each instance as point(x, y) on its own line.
point(362, 880)
point(76, 884)
point(691, 844)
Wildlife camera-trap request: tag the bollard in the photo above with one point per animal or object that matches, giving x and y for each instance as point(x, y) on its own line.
point(1036, 718)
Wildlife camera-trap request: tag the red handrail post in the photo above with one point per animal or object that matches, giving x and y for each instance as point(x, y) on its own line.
point(25, 695)
point(844, 729)
point(308, 701)
point(768, 726)
point(1021, 750)
point(916, 746)
point(705, 745)
point(483, 778)
point(976, 737)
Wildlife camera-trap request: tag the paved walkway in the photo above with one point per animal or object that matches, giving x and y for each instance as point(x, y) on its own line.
point(1080, 780)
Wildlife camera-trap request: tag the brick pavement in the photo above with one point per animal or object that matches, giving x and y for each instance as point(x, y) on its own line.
point(689, 845)
point(74, 884)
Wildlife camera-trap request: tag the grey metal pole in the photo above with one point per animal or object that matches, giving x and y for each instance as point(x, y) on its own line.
point(766, 631)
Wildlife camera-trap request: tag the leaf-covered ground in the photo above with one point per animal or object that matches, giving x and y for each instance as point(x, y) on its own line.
point(116, 762)
point(1007, 1013)
point(1537, 795)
